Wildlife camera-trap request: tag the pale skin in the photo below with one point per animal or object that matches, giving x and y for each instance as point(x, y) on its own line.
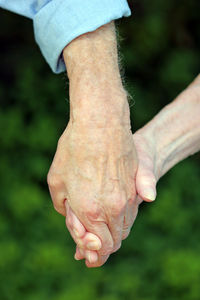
point(96, 173)
point(171, 136)
point(95, 163)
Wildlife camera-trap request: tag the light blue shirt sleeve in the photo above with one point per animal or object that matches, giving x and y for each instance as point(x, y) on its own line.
point(57, 22)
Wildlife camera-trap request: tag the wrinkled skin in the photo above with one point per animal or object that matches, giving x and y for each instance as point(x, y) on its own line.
point(105, 215)
point(146, 179)
point(92, 177)
point(158, 150)
point(94, 172)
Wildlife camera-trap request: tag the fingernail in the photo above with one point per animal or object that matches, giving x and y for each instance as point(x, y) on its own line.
point(91, 257)
point(94, 245)
point(88, 256)
point(76, 233)
point(150, 194)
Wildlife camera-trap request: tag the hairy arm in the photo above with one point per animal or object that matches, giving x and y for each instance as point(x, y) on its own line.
point(95, 163)
point(97, 97)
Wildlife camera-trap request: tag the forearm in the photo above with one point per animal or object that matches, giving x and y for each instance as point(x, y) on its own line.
point(176, 130)
point(96, 91)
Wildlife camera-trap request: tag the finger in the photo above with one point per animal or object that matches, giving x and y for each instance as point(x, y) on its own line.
point(101, 261)
point(116, 227)
point(93, 219)
point(116, 212)
point(81, 237)
point(90, 256)
point(78, 255)
point(128, 221)
point(69, 222)
point(130, 216)
point(73, 222)
point(100, 229)
point(146, 182)
point(91, 216)
point(91, 242)
point(126, 232)
point(88, 242)
point(145, 176)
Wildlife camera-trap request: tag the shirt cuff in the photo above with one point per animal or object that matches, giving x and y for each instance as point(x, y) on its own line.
point(60, 21)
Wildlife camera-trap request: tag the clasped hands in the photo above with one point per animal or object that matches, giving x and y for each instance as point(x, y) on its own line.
point(97, 180)
point(101, 174)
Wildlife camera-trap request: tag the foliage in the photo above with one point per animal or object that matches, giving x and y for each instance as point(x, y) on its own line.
point(160, 259)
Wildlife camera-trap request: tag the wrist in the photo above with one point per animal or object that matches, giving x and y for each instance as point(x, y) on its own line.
point(98, 99)
point(174, 133)
point(159, 142)
point(97, 95)
point(101, 108)
point(92, 50)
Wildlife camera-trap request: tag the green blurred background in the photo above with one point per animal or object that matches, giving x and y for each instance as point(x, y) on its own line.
point(161, 257)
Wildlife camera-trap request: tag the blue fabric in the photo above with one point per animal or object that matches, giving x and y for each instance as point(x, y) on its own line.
point(57, 22)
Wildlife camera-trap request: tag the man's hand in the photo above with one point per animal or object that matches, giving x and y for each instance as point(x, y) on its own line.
point(95, 163)
point(146, 179)
point(94, 170)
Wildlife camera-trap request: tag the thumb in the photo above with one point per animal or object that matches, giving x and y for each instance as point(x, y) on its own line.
point(146, 184)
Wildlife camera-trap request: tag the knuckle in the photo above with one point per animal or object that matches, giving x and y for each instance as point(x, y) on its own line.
point(108, 247)
point(116, 248)
point(59, 209)
point(56, 208)
point(49, 178)
point(53, 180)
point(118, 205)
point(92, 211)
point(107, 251)
point(126, 231)
point(125, 235)
point(131, 200)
